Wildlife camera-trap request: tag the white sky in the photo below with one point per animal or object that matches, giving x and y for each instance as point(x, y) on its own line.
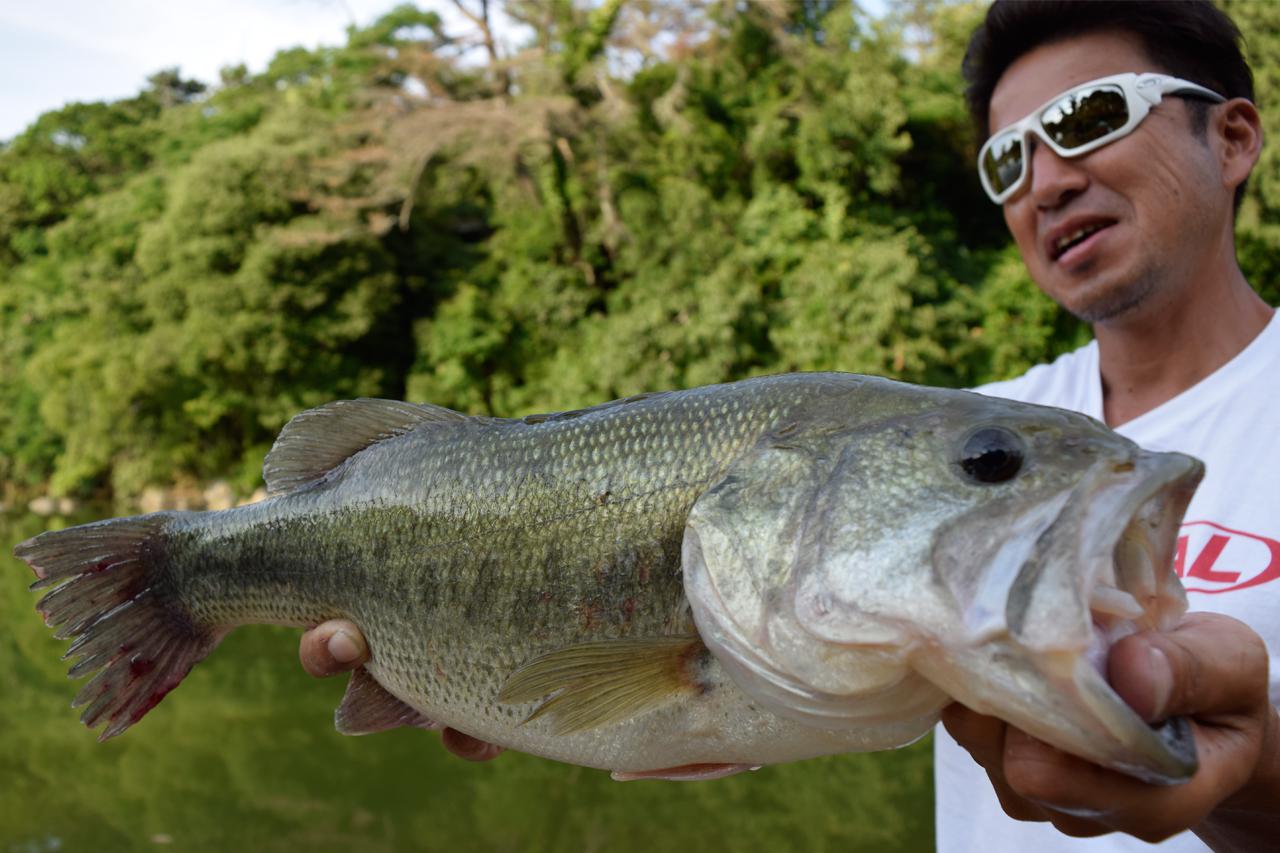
point(53, 52)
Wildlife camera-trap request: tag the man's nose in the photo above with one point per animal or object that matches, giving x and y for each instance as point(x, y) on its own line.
point(1054, 180)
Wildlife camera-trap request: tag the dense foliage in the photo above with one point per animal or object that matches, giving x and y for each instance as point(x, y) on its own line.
point(651, 194)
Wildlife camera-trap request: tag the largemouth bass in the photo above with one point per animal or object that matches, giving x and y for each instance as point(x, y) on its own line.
point(740, 574)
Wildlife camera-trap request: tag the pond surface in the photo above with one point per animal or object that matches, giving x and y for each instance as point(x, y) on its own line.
point(243, 757)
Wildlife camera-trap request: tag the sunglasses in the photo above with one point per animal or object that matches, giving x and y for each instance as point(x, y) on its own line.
point(1081, 119)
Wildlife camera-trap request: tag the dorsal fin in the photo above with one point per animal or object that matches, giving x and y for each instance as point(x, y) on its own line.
point(318, 440)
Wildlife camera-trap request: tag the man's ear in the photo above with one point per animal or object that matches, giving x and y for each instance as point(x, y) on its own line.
point(1237, 130)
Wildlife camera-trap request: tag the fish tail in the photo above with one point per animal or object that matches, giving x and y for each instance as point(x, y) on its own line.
point(108, 592)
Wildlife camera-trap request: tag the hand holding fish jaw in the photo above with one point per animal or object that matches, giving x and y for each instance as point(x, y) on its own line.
point(1210, 669)
point(337, 646)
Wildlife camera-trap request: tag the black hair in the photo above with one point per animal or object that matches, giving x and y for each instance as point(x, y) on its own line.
point(1191, 39)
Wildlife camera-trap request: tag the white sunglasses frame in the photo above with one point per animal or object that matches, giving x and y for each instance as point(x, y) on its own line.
point(1142, 92)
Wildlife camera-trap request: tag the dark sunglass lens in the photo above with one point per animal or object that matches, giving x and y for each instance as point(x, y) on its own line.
point(1084, 116)
point(1003, 163)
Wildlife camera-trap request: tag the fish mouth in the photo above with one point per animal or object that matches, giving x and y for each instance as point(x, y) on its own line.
point(1101, 571)
point(1134, 588)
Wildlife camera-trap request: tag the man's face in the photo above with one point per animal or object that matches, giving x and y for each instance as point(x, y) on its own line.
point(1143, 205)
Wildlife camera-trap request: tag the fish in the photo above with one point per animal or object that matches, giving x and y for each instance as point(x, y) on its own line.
point(682, 584)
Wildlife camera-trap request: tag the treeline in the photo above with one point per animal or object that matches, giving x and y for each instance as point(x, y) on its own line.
point(650, 194)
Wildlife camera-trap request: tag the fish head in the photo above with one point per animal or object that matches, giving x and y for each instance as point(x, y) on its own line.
point(946, 546)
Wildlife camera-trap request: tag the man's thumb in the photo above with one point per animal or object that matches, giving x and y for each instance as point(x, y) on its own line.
point(1208, 664)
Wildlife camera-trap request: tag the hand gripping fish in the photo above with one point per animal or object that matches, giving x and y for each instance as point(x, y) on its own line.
point(739, 574)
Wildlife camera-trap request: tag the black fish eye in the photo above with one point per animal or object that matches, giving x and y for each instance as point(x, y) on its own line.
point(992, 455)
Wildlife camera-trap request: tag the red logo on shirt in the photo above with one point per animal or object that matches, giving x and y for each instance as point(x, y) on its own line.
point(1213, 558)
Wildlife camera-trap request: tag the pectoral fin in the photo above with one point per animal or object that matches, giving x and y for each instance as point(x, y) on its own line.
point(367, 707)
point(594, 684)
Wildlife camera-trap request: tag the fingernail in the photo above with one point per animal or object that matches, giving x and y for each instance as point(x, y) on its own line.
point(1161, 681)
point(343, 648)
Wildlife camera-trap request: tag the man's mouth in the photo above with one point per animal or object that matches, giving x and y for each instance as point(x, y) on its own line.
point(1065, 240)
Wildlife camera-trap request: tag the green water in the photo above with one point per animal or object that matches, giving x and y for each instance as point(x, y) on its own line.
point(243, 757)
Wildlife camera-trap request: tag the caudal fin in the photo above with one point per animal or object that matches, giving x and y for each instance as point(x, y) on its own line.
point(107, 581)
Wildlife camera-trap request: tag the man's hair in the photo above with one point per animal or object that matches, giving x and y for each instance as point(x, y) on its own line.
point(1192, 39)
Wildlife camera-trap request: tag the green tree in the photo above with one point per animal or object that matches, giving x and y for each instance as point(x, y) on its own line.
point(645, 194)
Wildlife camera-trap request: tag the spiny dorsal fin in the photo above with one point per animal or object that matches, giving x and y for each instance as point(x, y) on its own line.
point(367, 707)
point(318, 440)
point(608, 681)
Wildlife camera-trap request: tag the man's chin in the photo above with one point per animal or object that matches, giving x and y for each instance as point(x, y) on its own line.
point(1101, 303)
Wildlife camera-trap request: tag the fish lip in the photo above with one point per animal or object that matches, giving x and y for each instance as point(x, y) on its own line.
point(1149, 509)
point(1150, 493)
point(1160, 754)
point(1135, 500)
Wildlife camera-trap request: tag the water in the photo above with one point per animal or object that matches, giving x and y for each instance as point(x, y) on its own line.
point(243, 756)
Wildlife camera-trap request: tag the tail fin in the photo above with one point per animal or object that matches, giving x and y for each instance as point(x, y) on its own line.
point(106, 595)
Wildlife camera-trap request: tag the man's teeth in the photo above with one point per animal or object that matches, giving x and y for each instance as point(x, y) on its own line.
point(1075, 236)
point(1116, 602)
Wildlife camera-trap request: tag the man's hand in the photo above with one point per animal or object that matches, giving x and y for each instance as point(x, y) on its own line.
point(338, 646)
point(1211, 669)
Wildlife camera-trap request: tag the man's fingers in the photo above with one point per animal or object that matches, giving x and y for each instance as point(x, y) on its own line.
point(983, 737)
point(465, 746)
point(1211, 669)
point(332, 647)
point(1063, 785)
point(338, 646)
point(1083, 799)
point(1037, 782)
point(1210, 664)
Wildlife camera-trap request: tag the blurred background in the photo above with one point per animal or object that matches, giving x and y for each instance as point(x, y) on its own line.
point(501, 206)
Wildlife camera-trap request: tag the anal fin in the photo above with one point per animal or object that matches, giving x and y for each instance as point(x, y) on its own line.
point(367, 708)
point(594, 684)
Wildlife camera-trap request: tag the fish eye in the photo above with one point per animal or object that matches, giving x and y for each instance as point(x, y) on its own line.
point(992, 455)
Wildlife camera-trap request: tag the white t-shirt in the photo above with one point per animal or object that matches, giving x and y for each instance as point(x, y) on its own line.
point(1228, 554)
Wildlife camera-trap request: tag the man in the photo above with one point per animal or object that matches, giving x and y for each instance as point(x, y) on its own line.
point(1120, 198)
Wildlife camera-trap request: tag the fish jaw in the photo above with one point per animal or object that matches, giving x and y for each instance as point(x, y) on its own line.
point(1066, 703)
point(1098, 572)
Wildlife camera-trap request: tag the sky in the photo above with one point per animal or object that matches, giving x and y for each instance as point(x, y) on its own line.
point(53, 52)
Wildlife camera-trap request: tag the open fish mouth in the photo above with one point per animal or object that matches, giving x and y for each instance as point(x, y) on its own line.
point(1102, 570)
point(1134, 588)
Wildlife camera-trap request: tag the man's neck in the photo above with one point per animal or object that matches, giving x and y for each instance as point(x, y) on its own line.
point(1154, 356)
